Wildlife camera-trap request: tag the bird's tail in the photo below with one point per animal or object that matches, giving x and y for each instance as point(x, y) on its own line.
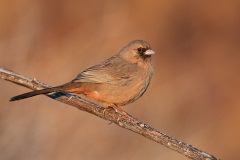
point(35, 93)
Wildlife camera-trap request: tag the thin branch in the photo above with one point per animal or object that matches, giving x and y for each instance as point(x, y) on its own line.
point(118, 117)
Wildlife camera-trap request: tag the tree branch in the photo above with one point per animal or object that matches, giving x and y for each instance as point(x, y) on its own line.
point(118, 117)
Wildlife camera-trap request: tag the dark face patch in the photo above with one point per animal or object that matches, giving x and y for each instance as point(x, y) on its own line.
point(141, 51)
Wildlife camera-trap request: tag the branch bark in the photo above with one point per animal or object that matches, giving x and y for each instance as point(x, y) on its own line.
point(118, 117)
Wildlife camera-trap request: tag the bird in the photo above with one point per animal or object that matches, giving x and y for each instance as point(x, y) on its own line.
point(117, 81)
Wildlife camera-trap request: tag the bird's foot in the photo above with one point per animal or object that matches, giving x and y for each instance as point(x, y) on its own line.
point(69, 98)
point(123, 114)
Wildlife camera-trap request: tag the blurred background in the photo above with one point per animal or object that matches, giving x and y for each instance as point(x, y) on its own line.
point(194, 95)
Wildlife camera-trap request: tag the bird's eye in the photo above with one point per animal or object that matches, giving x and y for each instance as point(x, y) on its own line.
point(140, 49)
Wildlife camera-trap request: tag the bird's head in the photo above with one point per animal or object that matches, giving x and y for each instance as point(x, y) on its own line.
point(137, 51)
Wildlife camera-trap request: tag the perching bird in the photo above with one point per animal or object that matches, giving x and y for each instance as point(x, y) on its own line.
point(117, 81)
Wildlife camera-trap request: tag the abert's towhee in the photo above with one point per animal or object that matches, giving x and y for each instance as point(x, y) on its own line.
point(117, 81)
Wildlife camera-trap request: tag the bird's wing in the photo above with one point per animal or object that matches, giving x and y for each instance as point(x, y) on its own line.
point(113, 71)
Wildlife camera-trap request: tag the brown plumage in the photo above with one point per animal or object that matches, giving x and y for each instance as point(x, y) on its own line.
point(117, 81)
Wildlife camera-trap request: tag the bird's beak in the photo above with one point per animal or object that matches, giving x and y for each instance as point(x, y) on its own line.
point(149, 52)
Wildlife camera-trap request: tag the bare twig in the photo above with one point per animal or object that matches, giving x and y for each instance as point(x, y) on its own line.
point(118, 117)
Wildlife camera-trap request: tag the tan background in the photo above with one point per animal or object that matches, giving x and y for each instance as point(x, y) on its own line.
point(194, 94)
